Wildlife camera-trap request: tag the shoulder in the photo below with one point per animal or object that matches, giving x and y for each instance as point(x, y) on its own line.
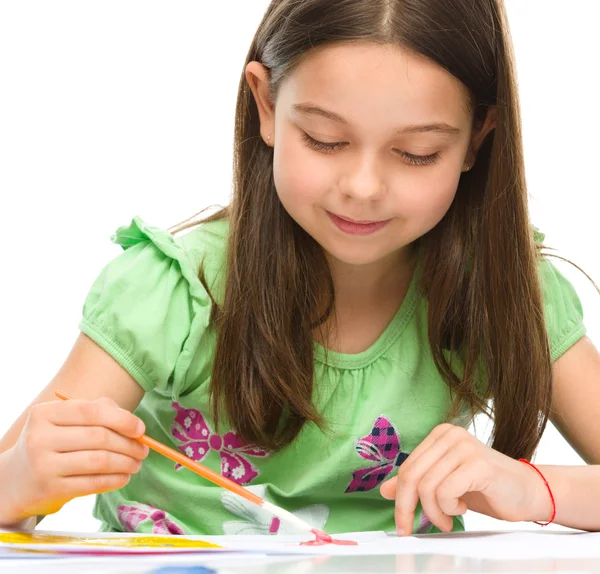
point(562, 307)
point(153, 249)
point(205, 241)
point(205, 247)
point(148, 307)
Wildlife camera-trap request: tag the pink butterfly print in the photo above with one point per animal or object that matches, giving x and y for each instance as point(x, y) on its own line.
point(190, 428)
point(381, 445)
point(424, 524)
point(131, 517)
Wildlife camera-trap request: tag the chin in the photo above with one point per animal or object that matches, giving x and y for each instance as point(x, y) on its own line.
point(353, 255)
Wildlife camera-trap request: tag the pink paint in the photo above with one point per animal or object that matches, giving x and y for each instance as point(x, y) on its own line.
point(274, 528)
point(321, 538)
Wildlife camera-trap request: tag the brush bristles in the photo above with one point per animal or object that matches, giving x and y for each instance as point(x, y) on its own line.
point(287, 516)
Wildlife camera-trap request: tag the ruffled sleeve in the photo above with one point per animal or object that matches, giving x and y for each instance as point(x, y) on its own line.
point(562, 307)
point(150, 312)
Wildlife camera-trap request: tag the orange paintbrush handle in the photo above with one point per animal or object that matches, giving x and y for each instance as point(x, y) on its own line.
point(201, 469)
point(192, 465)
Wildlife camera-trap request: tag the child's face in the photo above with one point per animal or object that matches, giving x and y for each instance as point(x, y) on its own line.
point(378, 90)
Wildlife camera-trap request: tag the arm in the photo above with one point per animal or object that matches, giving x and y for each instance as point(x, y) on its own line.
point(88, 373)
point(451, 471)
point(576, 414)
point(576, 491)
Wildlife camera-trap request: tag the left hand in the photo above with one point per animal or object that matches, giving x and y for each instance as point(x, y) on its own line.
point(452, 472)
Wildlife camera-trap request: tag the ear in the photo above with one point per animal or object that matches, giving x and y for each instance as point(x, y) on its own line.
point(480, 133)
point(258, 79)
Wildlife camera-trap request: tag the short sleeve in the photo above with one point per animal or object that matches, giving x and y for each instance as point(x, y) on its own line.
point(562, 307)
point(150, 312)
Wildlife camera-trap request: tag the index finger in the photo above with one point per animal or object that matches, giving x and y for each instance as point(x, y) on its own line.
point(437, 432)
point(388, 488)
point(101, 412)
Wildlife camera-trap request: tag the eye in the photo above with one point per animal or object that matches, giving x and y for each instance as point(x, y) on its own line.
point(331, 147)
point(419, 159)
point(321, 146)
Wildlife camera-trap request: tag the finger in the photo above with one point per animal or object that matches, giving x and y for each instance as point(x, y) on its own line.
point(97, 438)
point(102, 412)
point(89, 462)
point(467, 478)
point(409, 477)
point(429, 487)
point(74, 486)
point(388, 488)
point(436, 434)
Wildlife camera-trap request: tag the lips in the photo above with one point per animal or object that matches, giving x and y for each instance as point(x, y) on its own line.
point(360, 222)
point(353, 227)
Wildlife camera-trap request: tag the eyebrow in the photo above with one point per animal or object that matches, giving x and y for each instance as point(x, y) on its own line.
point(308, 109)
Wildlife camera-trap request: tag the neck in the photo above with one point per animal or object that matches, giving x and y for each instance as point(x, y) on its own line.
point(366, 298)
point(367, 283)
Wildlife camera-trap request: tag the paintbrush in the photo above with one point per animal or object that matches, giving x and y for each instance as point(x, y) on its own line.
point(224, 482)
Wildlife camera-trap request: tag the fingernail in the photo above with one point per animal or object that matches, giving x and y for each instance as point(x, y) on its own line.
point(141, 428)
point(400, 532)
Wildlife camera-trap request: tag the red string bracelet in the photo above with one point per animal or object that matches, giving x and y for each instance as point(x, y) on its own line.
point(548, 487)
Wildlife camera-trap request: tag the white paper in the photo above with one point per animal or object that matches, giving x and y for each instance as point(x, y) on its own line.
point(486, 545)
point(513, 545)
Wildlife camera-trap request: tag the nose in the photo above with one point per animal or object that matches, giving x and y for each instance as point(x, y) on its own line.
point(363, 178)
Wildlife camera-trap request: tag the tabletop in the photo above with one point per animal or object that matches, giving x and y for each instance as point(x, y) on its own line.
point(466, 552)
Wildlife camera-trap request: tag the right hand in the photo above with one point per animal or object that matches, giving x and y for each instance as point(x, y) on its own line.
point(72, 448)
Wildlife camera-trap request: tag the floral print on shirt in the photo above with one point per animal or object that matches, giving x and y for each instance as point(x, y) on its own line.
point(132, 516)
point(260, 521)
point(191, 429)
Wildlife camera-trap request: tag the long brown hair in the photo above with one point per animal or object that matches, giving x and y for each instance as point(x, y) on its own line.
point(479, 270)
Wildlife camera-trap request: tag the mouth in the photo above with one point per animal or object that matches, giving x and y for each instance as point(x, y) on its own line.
point(360, 222)
point(355, 227)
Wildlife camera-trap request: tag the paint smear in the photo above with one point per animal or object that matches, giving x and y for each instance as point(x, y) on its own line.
point(321, 538)
point(124, 542)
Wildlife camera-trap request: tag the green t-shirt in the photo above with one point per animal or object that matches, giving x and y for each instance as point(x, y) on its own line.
point(149, 311)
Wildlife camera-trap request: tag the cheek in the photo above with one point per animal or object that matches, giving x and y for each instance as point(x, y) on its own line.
point(297, 177)
point(432, 200)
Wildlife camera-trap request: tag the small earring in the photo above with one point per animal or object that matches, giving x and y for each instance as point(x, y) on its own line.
point(268, 138)
point(467, 167)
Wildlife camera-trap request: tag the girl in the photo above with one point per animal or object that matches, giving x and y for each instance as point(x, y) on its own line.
point(327, 338)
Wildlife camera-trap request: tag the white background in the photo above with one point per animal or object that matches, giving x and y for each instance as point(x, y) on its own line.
point(113, 109)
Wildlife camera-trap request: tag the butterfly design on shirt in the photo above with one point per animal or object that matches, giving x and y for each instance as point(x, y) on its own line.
point(131, 516)
point(424, 523)
point(191, 429)
point(257, 520)
point(381, 445)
